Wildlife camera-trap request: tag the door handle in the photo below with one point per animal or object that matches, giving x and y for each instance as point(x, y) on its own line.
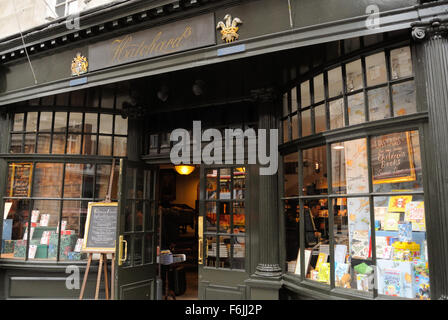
point(120, 251)
point(200, 251)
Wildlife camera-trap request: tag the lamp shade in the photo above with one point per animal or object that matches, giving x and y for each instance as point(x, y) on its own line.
point(184, 169)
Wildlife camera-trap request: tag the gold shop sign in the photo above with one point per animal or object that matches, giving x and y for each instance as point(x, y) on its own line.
point(175, 37)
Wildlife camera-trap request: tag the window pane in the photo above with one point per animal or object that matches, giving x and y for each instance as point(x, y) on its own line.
point(291, 210)
point(349, 167)
point(44, 237)
point(106, 122)
point(59, 141)
point(30, 143)
point(93, 96)
point(396, 162)
point(78, 181)
point(43, 143)
point(14, 227)
point(121, 125)
point(224, 183)
point(316, 239)
point(123, 94)
point(102, 181)
point(379, 106)
point(16, 143)
point(149, 248)
point(75, 122)
point(337, 117)
point(211, 217)
point(74, 215)
point(285, 105)
point(335, 82)
point(74, 144)
point(354, 76)
point(401, 63)
point(238, 254)
point(18, 121)
point(91, 123)
point(45, 121)
point(315, 171)
point(211, 184)
point(105, 146)
point(89, 145)
point(239, 183)
point(224, 218)
point(31, 121)
point(306, 123)
point(401, 251)
point(285, 125)
point(356, 112)
point(295, 126)
point(291, 180)
point(404, 97)
point(305, 94)
point(294, 102)
point(48, 180)
point(376, 69)
point(320, 119)
point(120, 145)
point(353, 260)
point(60, 121)
point(319, 93)
point(211, 252)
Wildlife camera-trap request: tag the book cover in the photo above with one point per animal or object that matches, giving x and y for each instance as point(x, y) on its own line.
point(392, 282)
point(362, 282)
point(340, 252)
point(35, 215)
point(45, 239)
point(391, 221)
point(44, 220)
point(415, 213)
point(380, 215)
point(322, 258)
point(405, 231)
point(32, 251)
point(398, 203)
point(307, 261)
point(78, 245)
point(421, 281)
point(339, 271)
point(359, 246)
point(324, 273)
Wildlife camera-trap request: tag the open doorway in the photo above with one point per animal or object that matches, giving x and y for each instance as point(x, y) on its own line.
point(179, 210)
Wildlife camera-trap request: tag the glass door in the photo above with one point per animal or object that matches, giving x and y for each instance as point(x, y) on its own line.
point(223, 237)
point(135, 277)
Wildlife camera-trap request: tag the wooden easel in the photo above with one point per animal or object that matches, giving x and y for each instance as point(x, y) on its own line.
point(103, 259)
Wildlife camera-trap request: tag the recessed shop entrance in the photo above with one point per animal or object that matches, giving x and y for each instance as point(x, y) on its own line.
point(178, 221)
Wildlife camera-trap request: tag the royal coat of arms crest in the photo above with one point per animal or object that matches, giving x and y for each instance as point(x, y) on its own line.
point(79, 65)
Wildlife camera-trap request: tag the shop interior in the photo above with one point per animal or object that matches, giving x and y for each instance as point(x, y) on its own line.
point(179, 210)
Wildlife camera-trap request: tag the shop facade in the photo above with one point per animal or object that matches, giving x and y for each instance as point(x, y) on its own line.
point(356, 209)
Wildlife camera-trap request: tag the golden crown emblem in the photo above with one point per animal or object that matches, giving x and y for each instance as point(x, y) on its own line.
point(79, 65)
point(229, 29)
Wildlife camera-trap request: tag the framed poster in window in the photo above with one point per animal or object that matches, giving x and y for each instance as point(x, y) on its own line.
point(392, 158)
point(20, 184)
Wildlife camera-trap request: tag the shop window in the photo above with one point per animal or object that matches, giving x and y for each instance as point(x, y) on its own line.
point(372, 87)
point(225, 216)
point(69, 133)
point(46, 203)
point(366, 230)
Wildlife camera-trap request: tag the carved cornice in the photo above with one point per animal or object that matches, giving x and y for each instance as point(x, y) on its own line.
point(268, 270)
point(434, 29)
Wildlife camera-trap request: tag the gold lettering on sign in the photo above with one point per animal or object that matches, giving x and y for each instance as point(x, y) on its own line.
point(127, 48)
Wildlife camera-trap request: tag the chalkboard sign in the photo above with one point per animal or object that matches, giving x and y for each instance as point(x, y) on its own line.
point(101, 227)
point(392, 158)
point(22, 174)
